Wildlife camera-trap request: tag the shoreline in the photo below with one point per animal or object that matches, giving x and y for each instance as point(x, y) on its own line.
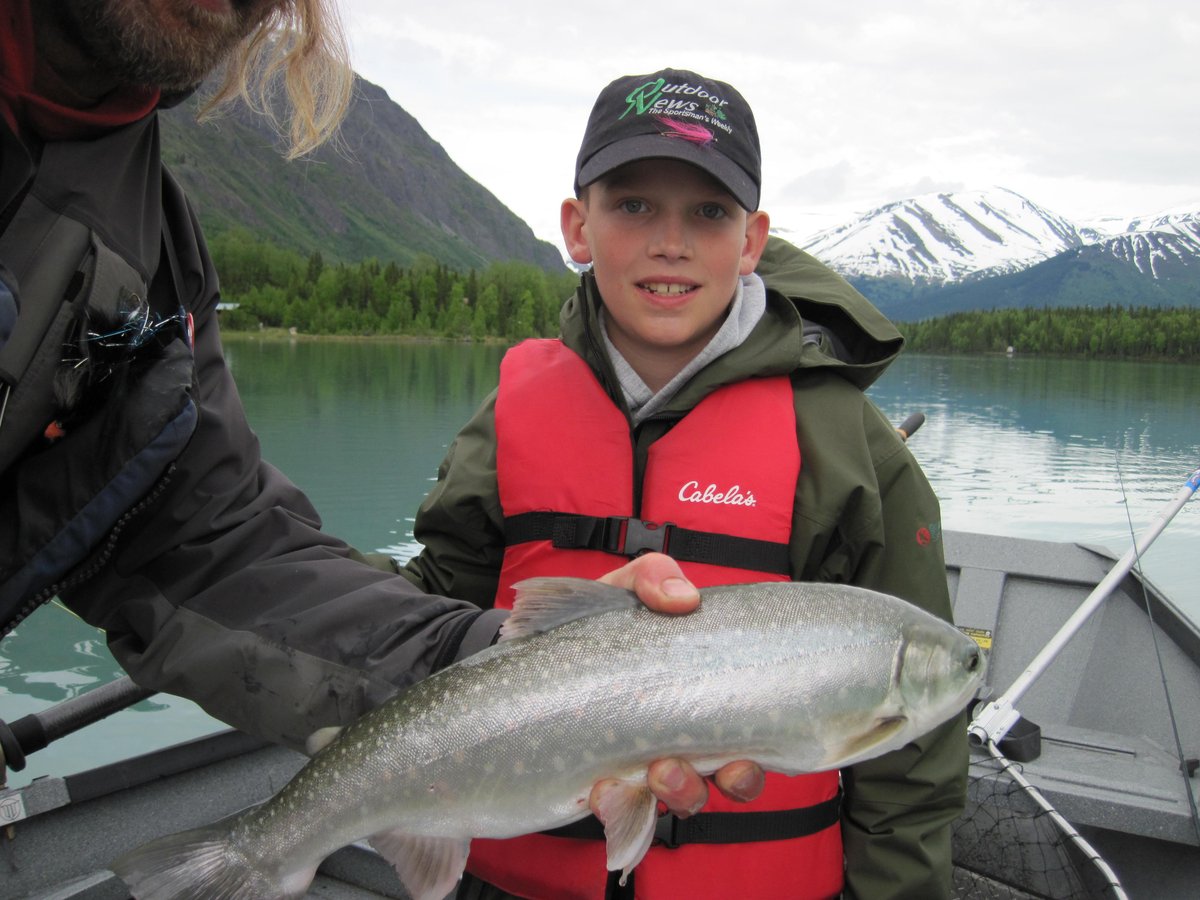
point(281, 335)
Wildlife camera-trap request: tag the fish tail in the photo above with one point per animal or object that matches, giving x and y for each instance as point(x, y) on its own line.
point(202, 863)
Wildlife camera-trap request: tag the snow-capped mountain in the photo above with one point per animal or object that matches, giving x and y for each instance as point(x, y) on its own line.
point(1159, 245)
point(1182, 220)
point(944, 238)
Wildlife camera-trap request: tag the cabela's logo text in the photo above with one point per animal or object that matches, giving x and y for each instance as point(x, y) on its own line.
point(691, 492)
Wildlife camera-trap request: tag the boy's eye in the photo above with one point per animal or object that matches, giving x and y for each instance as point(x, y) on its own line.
point(712, 211)
point(632, 205)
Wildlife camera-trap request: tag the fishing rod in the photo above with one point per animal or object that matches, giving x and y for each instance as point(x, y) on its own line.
point(38, 730)
point(994, 720)
point(910, 425)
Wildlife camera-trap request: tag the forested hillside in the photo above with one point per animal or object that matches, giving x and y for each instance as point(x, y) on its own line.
point(383, 189)
point(1110, 332)
point(278, 288)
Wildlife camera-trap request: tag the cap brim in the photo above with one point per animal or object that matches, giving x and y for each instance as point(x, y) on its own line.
point(653, 146)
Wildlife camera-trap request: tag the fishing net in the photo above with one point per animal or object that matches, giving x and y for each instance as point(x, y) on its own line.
point(1007, 846)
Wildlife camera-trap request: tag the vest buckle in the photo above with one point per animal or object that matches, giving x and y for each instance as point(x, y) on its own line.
point(666, 831)
point(633, 537)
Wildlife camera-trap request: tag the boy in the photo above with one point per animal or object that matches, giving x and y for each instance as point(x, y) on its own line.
point(689, 407)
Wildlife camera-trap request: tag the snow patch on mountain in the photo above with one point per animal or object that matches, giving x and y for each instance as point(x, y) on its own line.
point(1157, 245)
point(947, 237)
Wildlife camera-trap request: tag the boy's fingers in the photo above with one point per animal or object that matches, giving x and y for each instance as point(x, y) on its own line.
point(658, 582)
point(677, 784)
point(742, 780)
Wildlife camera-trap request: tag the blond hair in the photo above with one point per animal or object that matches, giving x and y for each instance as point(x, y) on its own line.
point(301, 44)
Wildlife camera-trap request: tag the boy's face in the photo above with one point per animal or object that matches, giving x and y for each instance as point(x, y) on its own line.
point(667, 244)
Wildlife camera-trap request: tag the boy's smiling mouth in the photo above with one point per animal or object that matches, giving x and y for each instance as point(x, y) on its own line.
point(666, 289)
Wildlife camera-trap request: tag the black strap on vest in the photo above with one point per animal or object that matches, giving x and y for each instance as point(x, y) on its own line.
point(626, 536)
point(725, 827)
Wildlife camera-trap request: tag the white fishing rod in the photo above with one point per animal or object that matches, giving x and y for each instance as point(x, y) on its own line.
point(994, 720)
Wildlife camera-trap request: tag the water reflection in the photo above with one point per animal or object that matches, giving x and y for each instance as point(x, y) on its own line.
point(1058, 449)
point(362, 426)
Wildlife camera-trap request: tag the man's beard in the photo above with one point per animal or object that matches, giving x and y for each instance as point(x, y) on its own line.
point(127, 39)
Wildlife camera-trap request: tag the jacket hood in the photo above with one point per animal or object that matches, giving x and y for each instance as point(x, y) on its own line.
point(814, 320)
point(841, 328)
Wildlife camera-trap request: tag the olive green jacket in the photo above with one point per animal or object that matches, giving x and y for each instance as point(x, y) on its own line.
point(864, 514)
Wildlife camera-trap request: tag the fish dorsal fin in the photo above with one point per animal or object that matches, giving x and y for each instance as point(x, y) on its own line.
point(429, 867)
point(629, 812)
point(545, 603)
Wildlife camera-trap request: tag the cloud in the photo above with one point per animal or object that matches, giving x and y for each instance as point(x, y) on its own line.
point(1072, 103)
point(818, 186)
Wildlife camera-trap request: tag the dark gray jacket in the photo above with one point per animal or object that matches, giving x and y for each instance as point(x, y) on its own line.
point(155, 517)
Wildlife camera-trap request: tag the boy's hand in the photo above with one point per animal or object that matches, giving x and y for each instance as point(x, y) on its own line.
point(660, 584)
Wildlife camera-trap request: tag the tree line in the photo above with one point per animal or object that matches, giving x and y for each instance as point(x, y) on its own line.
point(275, 287)
point(278, 288)
point(1108, 332)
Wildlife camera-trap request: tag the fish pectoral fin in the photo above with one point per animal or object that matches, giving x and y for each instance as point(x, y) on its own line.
point(429, 867)
point(884, 729)
point(321, 738)
point(545, 603)
point(628, 811)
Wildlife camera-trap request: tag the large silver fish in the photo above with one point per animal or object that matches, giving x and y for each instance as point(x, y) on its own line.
point(586, 684)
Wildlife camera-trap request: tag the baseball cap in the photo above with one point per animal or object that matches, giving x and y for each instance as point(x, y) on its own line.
point(674, 114)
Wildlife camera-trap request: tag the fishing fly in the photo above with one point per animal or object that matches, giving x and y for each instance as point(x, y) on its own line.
point(105, 347)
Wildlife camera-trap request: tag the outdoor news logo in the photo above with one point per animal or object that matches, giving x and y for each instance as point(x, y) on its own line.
point(667, 101)
point(692, 492)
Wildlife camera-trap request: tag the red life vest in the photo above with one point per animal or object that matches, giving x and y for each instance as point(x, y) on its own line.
point(727, 468)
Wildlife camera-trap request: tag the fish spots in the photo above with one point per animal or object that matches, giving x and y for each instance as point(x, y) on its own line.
point(519, 767)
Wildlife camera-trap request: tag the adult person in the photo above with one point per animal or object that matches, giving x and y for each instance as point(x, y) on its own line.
point(131, 485)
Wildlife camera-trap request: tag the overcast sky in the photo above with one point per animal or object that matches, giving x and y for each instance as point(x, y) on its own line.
point(1086, 108)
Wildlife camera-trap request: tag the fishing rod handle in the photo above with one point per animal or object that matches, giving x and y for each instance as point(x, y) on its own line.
point(909, 426)
point(37, 730)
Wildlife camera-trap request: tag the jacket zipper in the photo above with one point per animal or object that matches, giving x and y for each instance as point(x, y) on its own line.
point(88, 569)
